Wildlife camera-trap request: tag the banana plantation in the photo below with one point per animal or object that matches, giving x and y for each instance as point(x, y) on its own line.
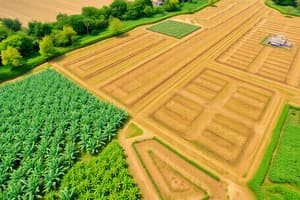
point(46, 122)
point(103, 177)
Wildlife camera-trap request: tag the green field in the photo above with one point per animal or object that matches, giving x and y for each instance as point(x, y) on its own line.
point(278, 176)
point(103, 177)
point(46, 123)
point(174, 29)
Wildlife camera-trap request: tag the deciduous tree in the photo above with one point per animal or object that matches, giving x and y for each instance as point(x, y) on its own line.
point(11, 57)
point(13, 24)
point(115, 26)
point(47, 48)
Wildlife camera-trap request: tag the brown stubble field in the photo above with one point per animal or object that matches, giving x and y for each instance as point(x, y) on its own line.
point(213, 96)
point(44, 10)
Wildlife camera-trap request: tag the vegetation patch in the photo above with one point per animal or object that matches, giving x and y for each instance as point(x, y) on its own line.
point(133, 131)
point(103, 177)
point(278, 174)
point(286, 9)
point(46, 121)
point(174, 28)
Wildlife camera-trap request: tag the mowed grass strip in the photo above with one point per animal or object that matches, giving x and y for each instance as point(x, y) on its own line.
point(174, 28)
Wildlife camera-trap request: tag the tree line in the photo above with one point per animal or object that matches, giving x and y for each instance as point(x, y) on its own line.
point(17, 43)
point(295, 3)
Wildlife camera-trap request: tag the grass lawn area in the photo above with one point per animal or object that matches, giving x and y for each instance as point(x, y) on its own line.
point(174, 29)
point(286, 10)
point(278, 175)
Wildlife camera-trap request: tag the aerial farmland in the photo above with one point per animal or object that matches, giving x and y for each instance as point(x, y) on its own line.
point(201, 104)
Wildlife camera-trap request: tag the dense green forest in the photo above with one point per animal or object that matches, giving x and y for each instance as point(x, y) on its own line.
point(287, 2)
point(46, 123)
point(23, 47)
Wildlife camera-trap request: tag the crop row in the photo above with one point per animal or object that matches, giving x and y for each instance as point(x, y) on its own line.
point(110, 180)
point(46, 121)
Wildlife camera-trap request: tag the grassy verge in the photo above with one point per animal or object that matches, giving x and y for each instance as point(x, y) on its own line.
point(133, 131)
point(174, 29)
point(285, 10)
point(7, 73)
point(261, 182)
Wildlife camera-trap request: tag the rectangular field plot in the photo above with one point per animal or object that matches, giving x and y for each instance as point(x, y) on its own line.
point(97, 61)
point(173, 176)
point(174, 28)
point(250, 55)
point(216, 113)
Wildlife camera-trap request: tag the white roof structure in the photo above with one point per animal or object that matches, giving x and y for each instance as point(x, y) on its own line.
point(279, 41)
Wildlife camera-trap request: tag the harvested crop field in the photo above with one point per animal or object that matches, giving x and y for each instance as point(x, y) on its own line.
point(218, 114)
point(174, 177)
point(248, 54)
point(46, 10)
point(213, 96)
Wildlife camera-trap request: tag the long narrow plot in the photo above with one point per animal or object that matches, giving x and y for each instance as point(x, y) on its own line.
point(173, 176)
point(99, 61)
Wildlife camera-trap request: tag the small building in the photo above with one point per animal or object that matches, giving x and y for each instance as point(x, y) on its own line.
point(157, 2)
point(279, 41)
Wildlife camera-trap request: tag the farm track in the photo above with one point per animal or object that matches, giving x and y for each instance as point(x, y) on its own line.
point(214, 96)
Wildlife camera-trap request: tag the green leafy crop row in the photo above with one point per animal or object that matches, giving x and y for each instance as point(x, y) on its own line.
point(45, 122)
point(103, 177)
point(278, 174)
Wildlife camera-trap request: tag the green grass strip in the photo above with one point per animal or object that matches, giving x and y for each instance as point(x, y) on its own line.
point(255, 184)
